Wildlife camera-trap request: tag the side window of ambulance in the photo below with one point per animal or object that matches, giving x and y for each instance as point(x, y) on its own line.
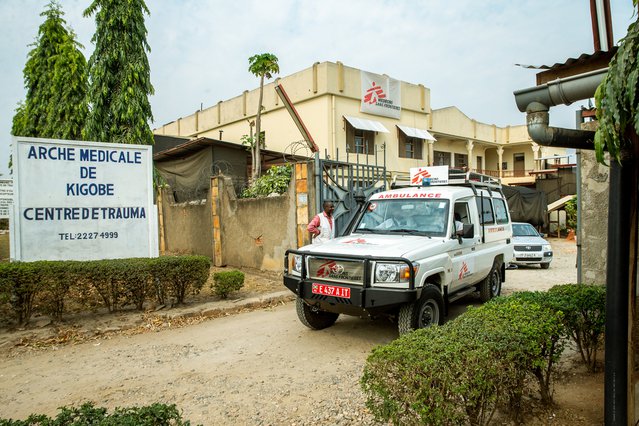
point(501, 211)
point(485, 208)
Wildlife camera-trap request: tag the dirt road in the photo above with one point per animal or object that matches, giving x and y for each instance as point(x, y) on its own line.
point(256, 368)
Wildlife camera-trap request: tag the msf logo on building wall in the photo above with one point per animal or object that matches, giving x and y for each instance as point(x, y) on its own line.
point(374, 93)
point(381, 95)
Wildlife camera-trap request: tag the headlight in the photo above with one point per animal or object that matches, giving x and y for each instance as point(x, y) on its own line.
point(295, 264)
point(393, 272)
point(547, 247)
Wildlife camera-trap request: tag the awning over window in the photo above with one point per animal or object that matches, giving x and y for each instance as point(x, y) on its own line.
point(416, 133)
point(363, 124)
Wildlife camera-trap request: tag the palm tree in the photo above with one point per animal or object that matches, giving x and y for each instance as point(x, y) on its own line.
point(261, 65)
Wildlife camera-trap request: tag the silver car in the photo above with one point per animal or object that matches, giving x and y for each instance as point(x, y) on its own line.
point(529, 247)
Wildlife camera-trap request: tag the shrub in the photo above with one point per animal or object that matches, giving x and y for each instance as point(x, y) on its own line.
point(404, 381)
point(21, 282)
point(156, 414)
point(57, 278)
point(527, 334)
point(177, 276)
point(227, 282)
point(461, 372)
point(118, 282)
point(584, 315)
point(275, 180)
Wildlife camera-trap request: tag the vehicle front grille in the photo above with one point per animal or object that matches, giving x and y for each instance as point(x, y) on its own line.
point(527, 248)
point(344, 271)
point(528, 259)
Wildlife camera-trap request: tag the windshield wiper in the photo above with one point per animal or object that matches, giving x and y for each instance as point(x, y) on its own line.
point(408, 231)
point(370, 231)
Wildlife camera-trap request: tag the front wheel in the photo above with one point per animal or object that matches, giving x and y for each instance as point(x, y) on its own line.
point(491, 285)
point(545, 265)
point(314, 318)
point(426, 311)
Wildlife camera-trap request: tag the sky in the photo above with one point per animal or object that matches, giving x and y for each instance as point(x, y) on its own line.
point(464, 51)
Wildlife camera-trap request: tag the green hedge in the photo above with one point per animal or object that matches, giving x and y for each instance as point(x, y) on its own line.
point(584, 309)
point(152, 415)
point(118, 283)
point(227, 282)
point(461, 372)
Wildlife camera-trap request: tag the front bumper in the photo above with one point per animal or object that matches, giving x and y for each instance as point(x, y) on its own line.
point(363, 298)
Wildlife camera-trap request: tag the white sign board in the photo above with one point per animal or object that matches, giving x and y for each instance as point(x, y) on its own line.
point(6, 197)
point(381, 95)
point(82, 200)
point(433, 175)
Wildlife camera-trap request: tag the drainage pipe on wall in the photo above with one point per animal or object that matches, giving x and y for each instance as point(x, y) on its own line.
point(537, 100)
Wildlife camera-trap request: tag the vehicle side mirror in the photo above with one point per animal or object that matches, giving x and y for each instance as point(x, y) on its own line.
point(542, 235)
point(468, 232)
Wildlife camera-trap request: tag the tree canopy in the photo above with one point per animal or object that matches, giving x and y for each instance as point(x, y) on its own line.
point(616, 97)
point(263, 65)
point(119, 74)
point(55, 76)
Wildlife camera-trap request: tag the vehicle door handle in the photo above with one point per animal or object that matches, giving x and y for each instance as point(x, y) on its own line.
point(472, 249)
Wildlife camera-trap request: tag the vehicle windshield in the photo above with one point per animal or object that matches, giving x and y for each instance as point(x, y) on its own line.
point(524, 230)
point(411, 216)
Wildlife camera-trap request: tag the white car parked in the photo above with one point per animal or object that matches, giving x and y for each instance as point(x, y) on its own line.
point(529, 246)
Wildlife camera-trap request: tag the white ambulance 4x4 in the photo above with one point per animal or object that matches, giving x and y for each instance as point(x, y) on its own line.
point(402, 255)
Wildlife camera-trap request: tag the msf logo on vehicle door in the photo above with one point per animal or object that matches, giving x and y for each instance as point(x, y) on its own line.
point(464, 271)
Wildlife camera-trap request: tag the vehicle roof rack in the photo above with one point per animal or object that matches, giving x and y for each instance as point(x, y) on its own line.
point(462, 177)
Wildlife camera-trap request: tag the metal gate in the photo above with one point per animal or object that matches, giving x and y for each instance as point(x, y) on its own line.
point(340, 182)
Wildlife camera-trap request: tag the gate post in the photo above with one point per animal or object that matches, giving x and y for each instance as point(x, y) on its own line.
point(301, 203)
point(215, 219)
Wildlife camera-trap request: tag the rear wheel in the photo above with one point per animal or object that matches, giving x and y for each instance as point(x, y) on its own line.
point(544, 265)
point(491, 285)
point(314, 318)
point(427, 311)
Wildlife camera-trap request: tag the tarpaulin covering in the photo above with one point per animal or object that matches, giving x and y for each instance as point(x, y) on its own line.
point(189, 177)
point(526, 205)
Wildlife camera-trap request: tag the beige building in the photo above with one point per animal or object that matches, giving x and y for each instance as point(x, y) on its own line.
point(352, 112)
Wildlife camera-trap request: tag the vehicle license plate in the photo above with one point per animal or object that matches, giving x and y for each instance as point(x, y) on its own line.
point(331, 290)
point(529, 255)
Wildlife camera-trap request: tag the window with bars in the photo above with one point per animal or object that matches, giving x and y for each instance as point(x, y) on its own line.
point(359, 141)
point(410, 147)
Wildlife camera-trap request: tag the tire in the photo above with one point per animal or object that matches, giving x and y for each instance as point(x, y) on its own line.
point(545, 265)
point(491, 285)
point(426, 311)
point(315, 320)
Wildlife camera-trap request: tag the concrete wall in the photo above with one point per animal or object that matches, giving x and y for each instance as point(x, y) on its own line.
point(251, 233)
point(594, 219)
point(186, 226)
point(256, 232)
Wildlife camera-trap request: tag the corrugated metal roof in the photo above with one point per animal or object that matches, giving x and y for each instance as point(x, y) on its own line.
point(582, 59)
